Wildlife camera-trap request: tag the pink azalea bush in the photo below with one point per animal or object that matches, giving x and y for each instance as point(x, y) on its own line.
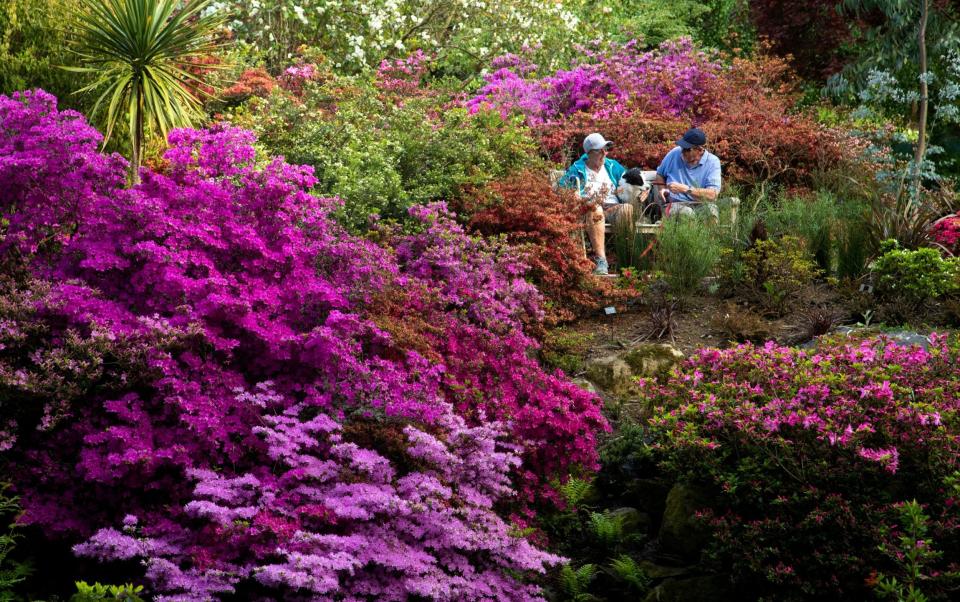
point(214, 378)
point(670, 79)
point(404, 76)
point(946, 232)
point(806, 455)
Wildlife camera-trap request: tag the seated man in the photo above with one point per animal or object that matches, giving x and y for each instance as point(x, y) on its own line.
point(691, 175)
point(597, 177)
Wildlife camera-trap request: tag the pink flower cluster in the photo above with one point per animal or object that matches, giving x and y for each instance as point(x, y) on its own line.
point(265, 398)
point(403, 76)
point(946, 232)
point(808, 455)
point(875, 398)
point(296, 77)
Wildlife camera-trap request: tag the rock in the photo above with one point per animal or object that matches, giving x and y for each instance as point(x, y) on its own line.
point(611, 374)
point(901, 338)
point(586, 385)
point(656, 571)
point(705, 588)
point(653, 359)
point(650, 495)
point(632, 519)
point(680, 532)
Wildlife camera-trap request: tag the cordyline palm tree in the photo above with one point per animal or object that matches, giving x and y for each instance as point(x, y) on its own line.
point(139, 51)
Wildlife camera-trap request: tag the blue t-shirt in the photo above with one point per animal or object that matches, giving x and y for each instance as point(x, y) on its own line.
point(705, 174)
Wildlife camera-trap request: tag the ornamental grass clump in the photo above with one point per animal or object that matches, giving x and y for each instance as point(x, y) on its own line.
point(213, 378)
point(687, 250)
point(808, 456)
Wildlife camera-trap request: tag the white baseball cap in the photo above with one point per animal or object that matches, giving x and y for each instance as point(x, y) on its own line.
point(595, 142)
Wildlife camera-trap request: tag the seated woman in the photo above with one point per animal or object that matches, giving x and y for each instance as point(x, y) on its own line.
point(596, 177)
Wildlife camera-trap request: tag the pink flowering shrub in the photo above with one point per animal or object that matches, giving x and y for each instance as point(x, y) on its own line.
point(946, 232)
point(295, 78)
point(807, 455)
point(214, 378)
point(672, 79)
point(404, 77)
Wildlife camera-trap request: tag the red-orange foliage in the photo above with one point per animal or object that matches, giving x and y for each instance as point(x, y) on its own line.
point(546, 224)
point(201, 70)
point(640, 139)
point(252, 82)
point(756, 135)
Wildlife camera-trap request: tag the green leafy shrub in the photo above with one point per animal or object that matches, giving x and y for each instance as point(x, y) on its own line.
point(33, 46)
point(913, 552)
point(382, 154)
point(686, 252)
point(914, 277)
point(773, 273)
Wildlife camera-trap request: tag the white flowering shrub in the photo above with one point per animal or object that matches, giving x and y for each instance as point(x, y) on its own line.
point(356, 34)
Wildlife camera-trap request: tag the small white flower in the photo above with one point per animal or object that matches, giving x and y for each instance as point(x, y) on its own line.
point(298, 11)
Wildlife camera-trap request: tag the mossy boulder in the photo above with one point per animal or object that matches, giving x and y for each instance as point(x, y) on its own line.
point(586, 385)
point(653, 359)
point(703, 588)
point(633, 520)
point(611, 374)
point(681, 533)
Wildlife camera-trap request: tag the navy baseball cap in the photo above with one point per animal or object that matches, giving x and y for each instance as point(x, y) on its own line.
point(693, 137)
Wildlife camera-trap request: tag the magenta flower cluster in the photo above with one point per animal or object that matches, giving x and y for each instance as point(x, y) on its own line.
point(671, 78)
point(273, 402)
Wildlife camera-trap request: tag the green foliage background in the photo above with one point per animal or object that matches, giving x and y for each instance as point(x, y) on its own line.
point(33, 46)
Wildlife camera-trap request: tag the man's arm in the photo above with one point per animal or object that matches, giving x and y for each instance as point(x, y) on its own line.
point(711, 184)
point(708, 195)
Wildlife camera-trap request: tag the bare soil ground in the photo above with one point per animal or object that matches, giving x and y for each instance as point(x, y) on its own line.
point(711, 321)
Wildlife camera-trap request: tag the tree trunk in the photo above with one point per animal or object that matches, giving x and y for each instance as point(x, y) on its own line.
point(921, 150)
point(137, 137)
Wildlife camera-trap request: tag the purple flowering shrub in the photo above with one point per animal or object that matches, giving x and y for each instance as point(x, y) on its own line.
point(49, 195)
point(215, 379)
point(672, 79)
point(807, 456)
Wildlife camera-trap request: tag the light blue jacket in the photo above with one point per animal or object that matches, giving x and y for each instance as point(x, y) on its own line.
point(576, 175)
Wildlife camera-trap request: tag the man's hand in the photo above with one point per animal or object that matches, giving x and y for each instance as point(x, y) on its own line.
point(678, 188)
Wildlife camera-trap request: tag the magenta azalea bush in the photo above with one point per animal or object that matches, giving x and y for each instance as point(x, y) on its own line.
point(212, 377)
point(670, 79)
point(807, 456)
